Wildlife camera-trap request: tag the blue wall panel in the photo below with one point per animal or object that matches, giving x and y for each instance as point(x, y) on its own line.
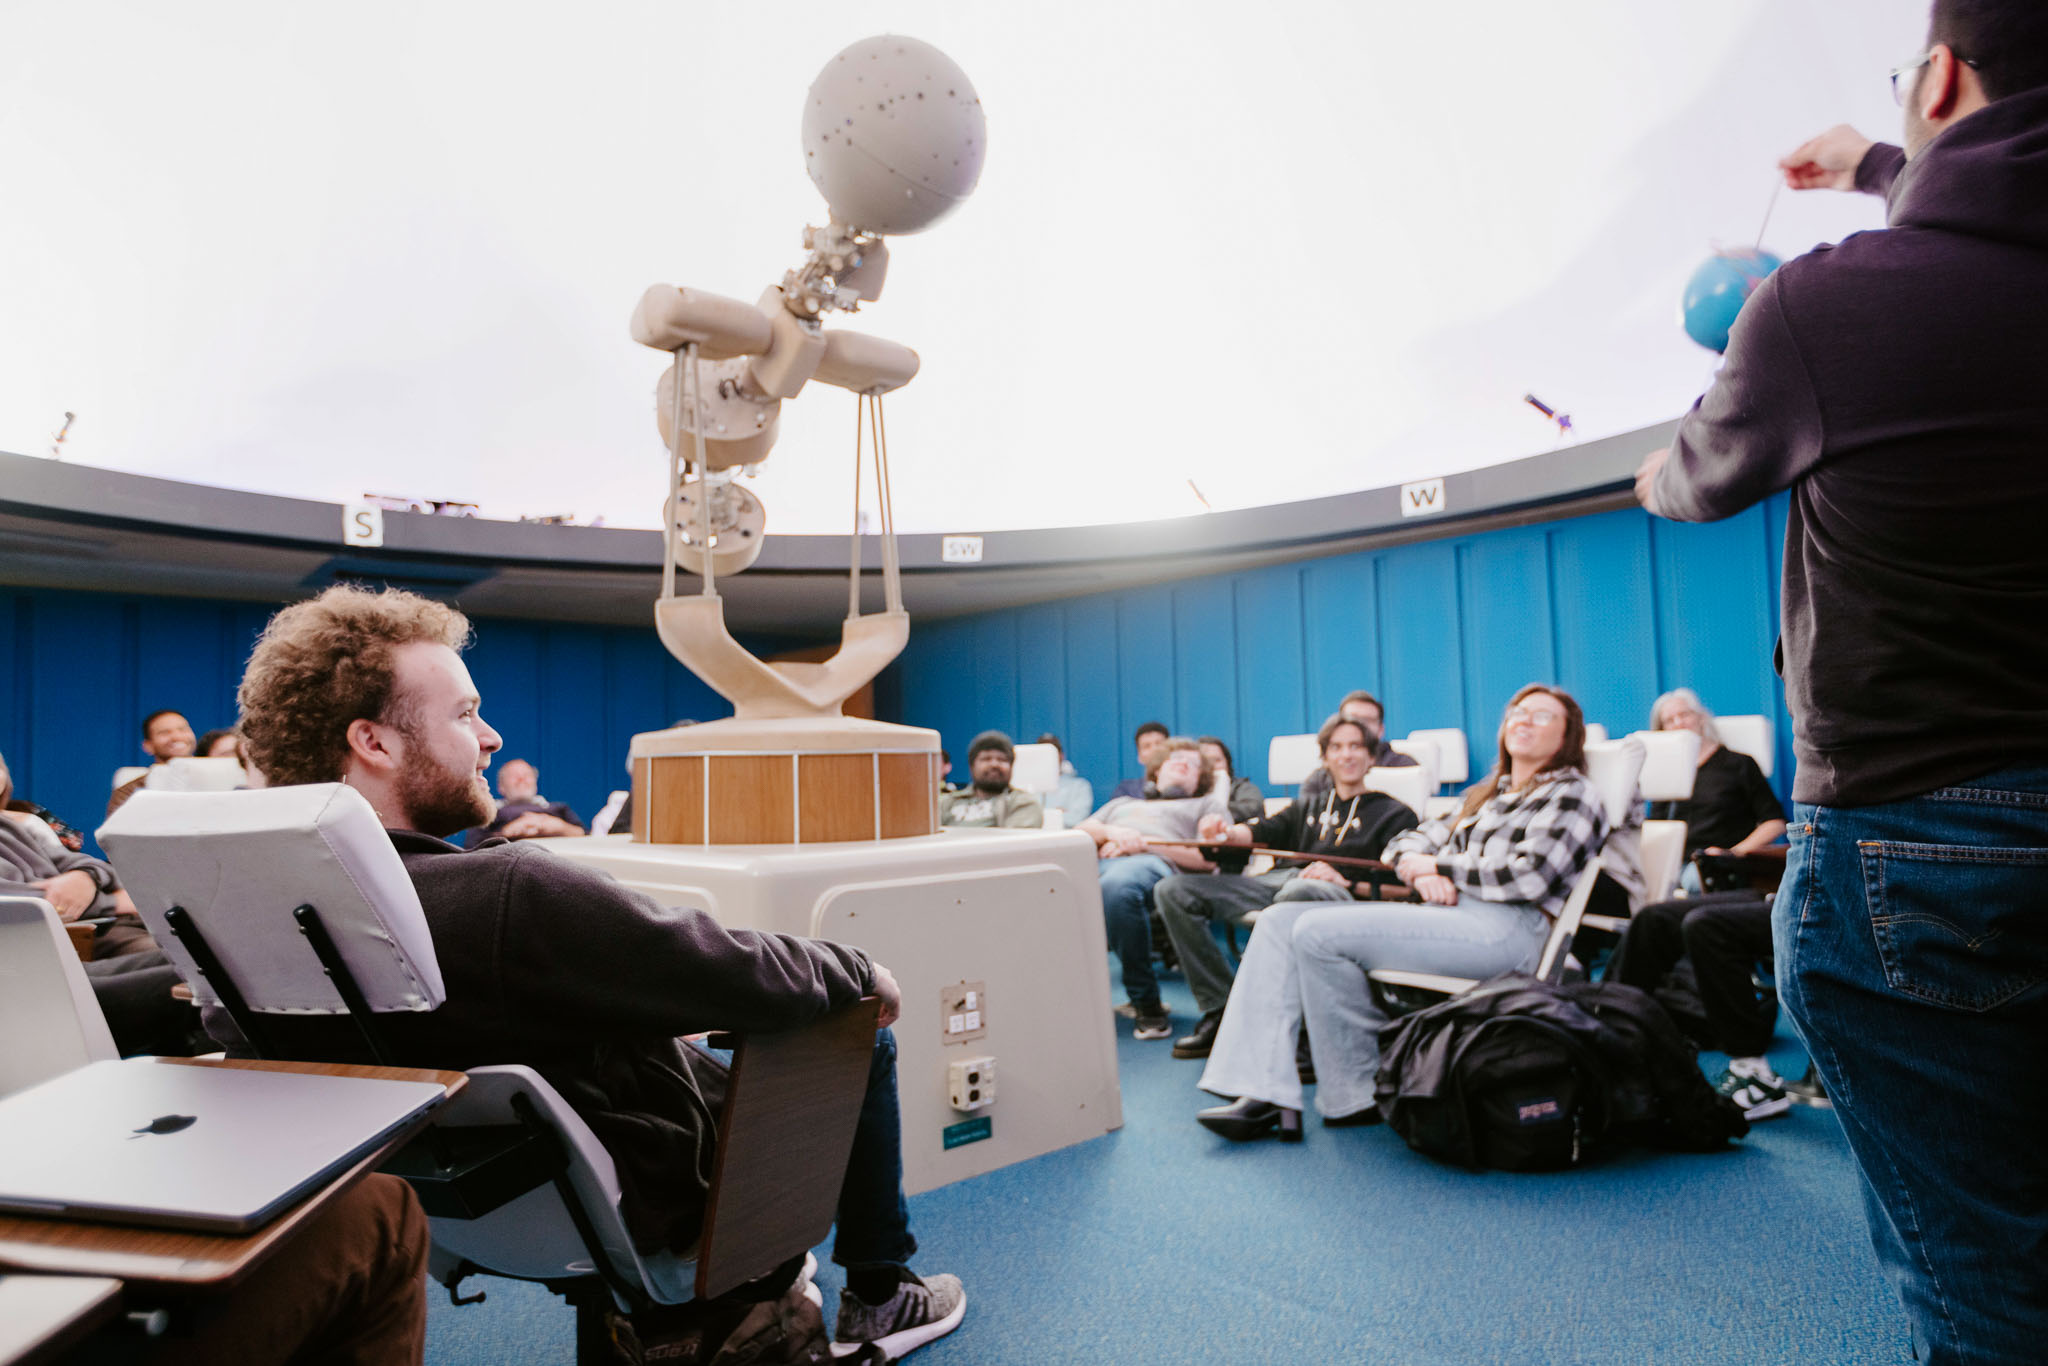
point(79, 670)
point(1714, 598)
point(1041, 673)
point(1145, 658)
point(1205, 691)
point(1605, 623)
point(1340, 607)
point(1421, 650)
point(1443, 631)
point(1504, 606)
point(1272, 683)
point(1095, 736)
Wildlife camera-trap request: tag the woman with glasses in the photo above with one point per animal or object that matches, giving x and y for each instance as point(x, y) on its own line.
point(1490, 879)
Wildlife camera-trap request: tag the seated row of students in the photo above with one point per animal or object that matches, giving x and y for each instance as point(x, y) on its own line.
point(1489, 879)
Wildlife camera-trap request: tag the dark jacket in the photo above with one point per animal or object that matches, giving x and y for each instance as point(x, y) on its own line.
point(1360, 832)
point(1897, 383)
point(559, 967)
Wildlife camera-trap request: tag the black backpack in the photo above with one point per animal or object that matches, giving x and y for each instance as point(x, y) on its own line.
point(1521, 1075)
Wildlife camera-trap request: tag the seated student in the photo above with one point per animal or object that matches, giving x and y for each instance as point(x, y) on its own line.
point(1362, 707)
point(1490, 879)
point(348, 1289)
point(991, 802)
point(1150, 740)
point(1072, 796)
point(1350, 822)
point(558, 966)
point(524, 814)
point(219, 744)
point(1725, 935)
point(1246, 801)
point(130, 977)
point(166, 735)
point(1130, 866)
point(1732, 809)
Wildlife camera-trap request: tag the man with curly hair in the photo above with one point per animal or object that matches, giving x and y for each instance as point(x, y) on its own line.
point(558, 966)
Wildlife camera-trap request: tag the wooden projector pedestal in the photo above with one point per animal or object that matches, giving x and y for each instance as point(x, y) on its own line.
point(798, 780)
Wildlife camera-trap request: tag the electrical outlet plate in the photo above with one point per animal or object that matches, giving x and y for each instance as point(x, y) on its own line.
point(963, 1012)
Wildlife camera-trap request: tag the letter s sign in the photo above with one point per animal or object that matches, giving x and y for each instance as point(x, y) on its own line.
point(362, 524)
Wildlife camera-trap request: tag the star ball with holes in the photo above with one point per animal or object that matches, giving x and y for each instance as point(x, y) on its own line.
point(1717, 291)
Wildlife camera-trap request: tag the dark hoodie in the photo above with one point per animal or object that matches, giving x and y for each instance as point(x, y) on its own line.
point(1897, 383)
point(560, 967)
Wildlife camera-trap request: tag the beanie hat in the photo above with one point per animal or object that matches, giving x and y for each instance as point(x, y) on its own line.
point(991, 739)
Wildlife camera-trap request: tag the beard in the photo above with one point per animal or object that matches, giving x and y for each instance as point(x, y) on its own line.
point(989, 785)
point(440, 803)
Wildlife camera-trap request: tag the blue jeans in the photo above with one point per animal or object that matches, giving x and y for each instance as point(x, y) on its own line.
point(873, 1220)
point(1912, 954)
point(1127, 917)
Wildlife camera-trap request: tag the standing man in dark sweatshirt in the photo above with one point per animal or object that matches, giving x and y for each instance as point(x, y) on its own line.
point(1897, 384)
point(561, 967)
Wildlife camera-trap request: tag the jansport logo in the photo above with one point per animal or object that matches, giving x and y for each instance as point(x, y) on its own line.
point(1538, 1112)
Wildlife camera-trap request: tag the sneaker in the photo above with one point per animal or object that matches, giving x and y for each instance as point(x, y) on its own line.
point(1125, 1009)
point(1152, 1023)
point(920, 1311)
point(1760, 1097)
point(1808, 1090)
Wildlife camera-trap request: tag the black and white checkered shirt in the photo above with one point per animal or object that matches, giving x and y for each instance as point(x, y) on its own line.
point(1526, 846)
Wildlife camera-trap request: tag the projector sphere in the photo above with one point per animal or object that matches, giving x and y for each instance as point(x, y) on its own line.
point(893, 135)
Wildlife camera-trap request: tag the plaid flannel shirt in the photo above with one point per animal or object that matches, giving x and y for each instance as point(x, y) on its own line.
point(1524, 846)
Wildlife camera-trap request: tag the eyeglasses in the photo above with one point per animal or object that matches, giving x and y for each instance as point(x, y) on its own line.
point(1899, 91)
point(1535, 716)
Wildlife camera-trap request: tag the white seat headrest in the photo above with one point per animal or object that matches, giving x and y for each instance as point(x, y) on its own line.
point(196, 775)
point(241, 862)
point(1427, 754)
point(1291, 758)
point(1454, 757)
point(1671, 763)
point(1410, 785)
point(1614, 766)
point(1036, 768)
point(1751, 735)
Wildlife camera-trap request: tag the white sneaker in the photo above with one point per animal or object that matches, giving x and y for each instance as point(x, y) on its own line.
point(921, 1311)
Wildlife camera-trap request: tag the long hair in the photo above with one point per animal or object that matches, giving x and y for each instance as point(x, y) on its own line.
point(1571, 754)
point(1708, 732)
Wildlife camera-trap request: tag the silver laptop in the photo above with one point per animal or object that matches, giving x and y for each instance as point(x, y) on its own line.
point(215, 1149)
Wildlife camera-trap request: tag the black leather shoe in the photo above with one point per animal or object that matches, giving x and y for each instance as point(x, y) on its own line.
point(1246, 1119)
point(1197, 1042)
point(1356, 1119)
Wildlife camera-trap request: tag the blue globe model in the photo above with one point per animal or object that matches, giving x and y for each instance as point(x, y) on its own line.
point(1717, 291)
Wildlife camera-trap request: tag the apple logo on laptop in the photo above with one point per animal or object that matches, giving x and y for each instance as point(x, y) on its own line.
point(167, 1124)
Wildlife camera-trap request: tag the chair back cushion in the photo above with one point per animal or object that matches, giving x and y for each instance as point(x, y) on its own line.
point(1455, 759)
point(241, 862)
point(50, 1022)
point(1671, 761)
point(1427, 754)
point(1291, 758)
point(1751, 735)
point(1411, 785)
point(1615, 767)
point(193, 774)
point(1036, 768)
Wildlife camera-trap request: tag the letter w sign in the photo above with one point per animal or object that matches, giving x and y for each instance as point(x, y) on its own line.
point(1423, 498)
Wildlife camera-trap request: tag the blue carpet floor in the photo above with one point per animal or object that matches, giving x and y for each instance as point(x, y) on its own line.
point(1163, 1244)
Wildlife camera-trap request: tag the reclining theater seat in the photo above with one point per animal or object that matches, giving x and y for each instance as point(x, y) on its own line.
point(293, 899)
point(50, 1022)
point(1614, 767)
